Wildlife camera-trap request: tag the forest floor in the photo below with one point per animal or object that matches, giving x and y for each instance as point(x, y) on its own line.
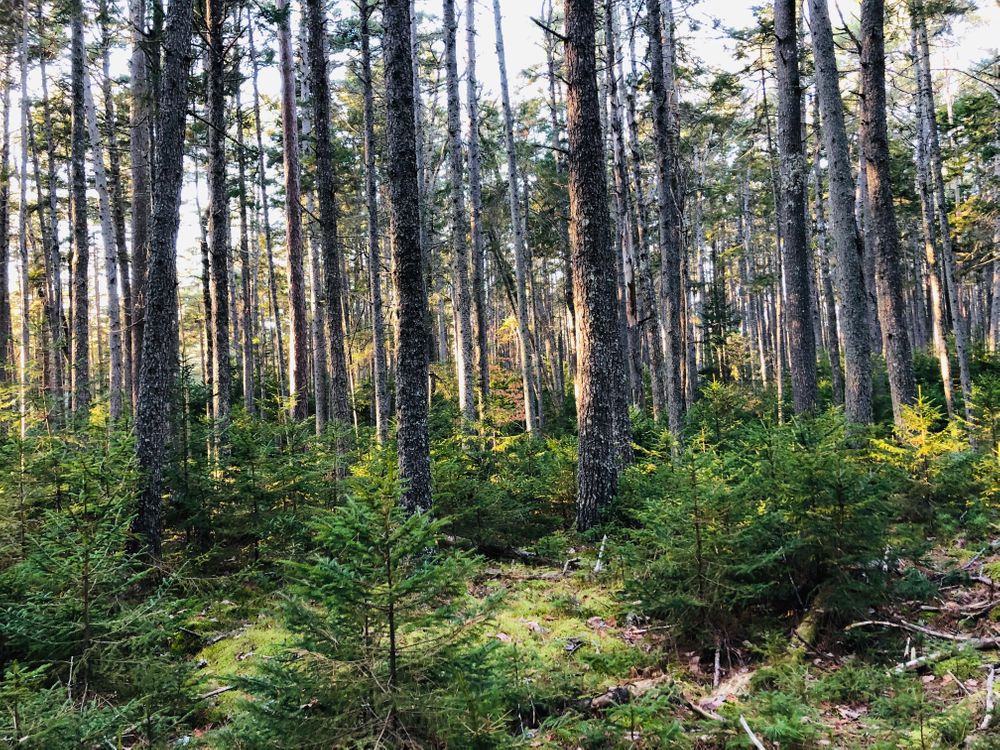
point(916, 675)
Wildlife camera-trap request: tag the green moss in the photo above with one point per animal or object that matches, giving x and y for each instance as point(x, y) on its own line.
point(237, 655)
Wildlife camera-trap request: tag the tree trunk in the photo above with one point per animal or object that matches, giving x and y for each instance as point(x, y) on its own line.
point(476, 201)
point(272, 287)
point(555, 129)
point(218, 216)
point(668, 223)
point(933, 154)
point(116, 380)
point(326, 188)
point(846, 239)
point(311, 236)
point(6, 330)
point(939, 317)
point(882, 216)
point(847, 247)
point(246, 269)
point(407, 271)
point(159, 349)
point(117, 210)
point(531, 415)
point(461, 299)
point(22, 223)
point(594, 273)
point(79, 289)
point(628, 380)
point(381, 394)
point(298, 357)
point(798, 309)
point(647, 308)
point(826, 285)
point(418, 129)
point(139, 152)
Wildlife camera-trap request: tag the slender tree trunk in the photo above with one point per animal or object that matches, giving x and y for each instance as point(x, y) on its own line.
point(117, 211)
point(555, 129)
point(847, 246)
point(140, 121)
point(628, 380)
point(933, 153)
point(939, 317)
point(669, 229)
point(116, 380)
point(246, 269)
point(380, 389)
point(994, 336)
point(422, 177)
point(648, 311)
point(218, 216)
point(298, 362)
point(272, 287)
point(57, 319)
point(80, 301)
point(476, 201)
point(6, 330)
point(326, 188)
point(799, 318)
point(594, 273)
point(531, 414)
point(461, 299)
point(404, 234)
point(159, 348)
point(22, 223)
point(313, 230)
point(828, 298)
point(882, 216)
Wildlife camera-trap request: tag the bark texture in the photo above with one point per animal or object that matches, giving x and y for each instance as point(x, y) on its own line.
point(594, 269)
point(159, 339)
point(531, 410)
point(379, 366)
point(79, 288)
point(791, 181)
point(407, 272)
point(476, 209)
point(115, 379)
point(340, 409)
point(298, 343)
point(140, 120)
point(668, 224)
point(218, 215)
point(462, 299)
point(881, 214)
point(846, 240)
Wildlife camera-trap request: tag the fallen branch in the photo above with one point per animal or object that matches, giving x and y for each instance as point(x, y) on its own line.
point(985, 724)
point(995, 544)
point(975, 609)
point(959, 683)
point(702, 711)
point(912, 627)
point(496, 573)
point(217, 691)
point(753, 737)
point(979, 644)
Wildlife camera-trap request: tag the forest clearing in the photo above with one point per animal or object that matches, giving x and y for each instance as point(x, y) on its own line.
point(499, 374)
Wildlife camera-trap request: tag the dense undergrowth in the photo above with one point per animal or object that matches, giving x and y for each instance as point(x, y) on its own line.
point(298, 606)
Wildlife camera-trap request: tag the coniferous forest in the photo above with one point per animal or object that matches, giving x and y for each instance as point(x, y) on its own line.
point(499, 374)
